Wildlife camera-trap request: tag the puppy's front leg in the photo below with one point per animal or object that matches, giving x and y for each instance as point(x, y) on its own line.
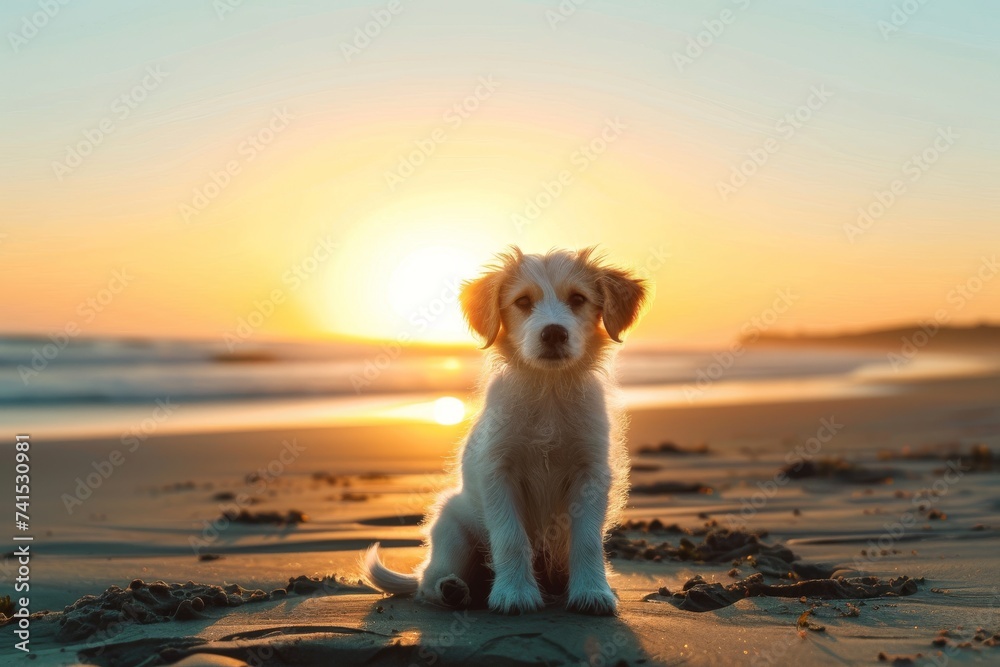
point(589, 591)
point(515, 589)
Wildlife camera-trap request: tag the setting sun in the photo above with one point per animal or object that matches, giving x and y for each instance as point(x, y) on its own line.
point(449, 410)
point(401, 280)
point(424, 288)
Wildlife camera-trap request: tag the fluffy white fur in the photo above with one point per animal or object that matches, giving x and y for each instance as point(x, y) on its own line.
point(544, 470)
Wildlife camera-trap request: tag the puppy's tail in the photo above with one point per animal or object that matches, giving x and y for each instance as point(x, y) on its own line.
point(385, 579)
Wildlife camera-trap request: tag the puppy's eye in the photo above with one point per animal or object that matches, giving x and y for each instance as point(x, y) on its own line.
point(524, 303)
point(576, 299)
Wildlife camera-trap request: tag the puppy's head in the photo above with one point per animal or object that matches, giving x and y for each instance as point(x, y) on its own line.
point(552, 311)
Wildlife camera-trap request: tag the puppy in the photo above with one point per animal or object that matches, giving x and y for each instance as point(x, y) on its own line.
point(544, 470)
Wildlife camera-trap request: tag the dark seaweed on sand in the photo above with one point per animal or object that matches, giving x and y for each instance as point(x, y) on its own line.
point(979, 458)
point(670, 488)
point(158, 602)
point(290, 518)
point(837, 469)
point(673, 449)
point(965, 638)
point(699, 595)
point(719, 545)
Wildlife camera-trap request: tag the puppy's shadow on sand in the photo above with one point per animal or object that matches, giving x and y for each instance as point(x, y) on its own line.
point(432, 635)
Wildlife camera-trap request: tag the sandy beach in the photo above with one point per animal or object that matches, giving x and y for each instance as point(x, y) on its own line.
point(257, 260)
point(790, 504)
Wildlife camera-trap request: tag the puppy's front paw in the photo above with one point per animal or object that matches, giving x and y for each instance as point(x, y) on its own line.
point(453, 592)
point(598, 601)
point(507, 599)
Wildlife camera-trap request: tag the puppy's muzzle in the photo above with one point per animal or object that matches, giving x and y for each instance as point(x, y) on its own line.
point(554, 338)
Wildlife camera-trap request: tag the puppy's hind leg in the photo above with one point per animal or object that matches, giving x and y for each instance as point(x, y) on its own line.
point(446, 573)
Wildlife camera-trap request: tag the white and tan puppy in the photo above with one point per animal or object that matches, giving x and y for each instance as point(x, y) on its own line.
point(544, 471)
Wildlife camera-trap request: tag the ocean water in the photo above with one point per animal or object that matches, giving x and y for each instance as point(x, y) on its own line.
point(102, 387)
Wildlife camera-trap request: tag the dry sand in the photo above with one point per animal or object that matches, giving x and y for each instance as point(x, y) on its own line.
point(923, 515)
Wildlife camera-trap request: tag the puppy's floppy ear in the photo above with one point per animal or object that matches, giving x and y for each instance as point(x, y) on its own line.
point(481, 304)
point(623, 299)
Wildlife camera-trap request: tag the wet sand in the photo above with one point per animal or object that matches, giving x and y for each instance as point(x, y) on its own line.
point(883, 493)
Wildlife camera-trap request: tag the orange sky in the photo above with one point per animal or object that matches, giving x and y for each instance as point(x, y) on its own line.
point(246, 176)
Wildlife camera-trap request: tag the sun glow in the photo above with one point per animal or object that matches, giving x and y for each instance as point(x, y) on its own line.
point(425, 288)
point(402, 279)
point(449, 410)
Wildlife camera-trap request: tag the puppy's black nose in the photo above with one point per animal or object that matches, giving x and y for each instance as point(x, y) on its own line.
point(554, 334)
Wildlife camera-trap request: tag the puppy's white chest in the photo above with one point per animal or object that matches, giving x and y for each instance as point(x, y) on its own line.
point(553, 446)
